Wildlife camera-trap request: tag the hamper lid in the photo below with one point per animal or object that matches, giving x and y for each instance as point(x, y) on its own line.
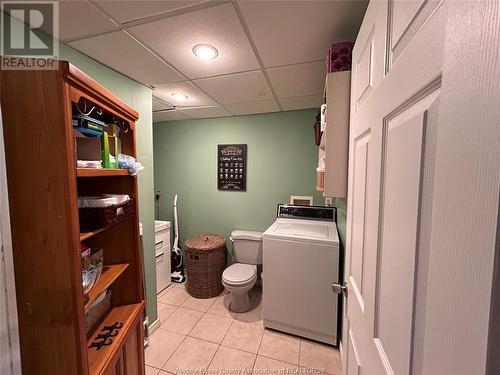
point(246, 235)
point(205, 242)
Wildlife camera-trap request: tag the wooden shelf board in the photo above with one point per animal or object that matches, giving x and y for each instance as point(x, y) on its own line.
point(93, 172)
point(109, 274)
point(99, 360)
point(87, 235)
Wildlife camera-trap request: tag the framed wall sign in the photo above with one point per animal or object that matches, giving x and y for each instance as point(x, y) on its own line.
point(232, 167)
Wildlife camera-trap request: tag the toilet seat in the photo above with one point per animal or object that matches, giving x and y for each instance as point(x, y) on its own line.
point(239, 274)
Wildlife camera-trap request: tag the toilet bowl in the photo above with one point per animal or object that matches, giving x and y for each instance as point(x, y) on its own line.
point(241, 276)
point(238, 279)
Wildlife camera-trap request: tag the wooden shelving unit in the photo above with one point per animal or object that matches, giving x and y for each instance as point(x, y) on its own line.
point(46, 235)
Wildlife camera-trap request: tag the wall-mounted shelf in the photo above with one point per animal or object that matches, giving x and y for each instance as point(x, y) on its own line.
point(109, 274)
point(334, 146)
point(93, 172)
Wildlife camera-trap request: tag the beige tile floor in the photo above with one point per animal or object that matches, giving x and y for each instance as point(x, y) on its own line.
point(202, 337)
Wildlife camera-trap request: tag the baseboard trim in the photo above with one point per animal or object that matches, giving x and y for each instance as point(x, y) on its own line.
point(154, 326)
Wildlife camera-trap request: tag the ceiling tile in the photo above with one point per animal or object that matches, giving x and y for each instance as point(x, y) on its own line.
point(169, 116)
point(80, 18)
point(299, 31)
point(195, 96)
point(298, 80)
point(301, 102)
point(206, 112)
point(237, 88)
point(124, 11)
point(123, 53)
point(174, 39)
point(253, 107)
point(160, 104)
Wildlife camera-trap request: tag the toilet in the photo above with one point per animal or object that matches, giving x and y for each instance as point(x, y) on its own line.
point(241, 276)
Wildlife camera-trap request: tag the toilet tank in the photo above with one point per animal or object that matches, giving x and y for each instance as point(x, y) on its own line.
point(247, 246)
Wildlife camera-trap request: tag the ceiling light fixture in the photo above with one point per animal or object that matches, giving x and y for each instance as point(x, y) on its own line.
point(179, 96)
point(205, 51)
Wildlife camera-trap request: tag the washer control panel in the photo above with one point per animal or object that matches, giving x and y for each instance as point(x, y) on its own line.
point(322, 213)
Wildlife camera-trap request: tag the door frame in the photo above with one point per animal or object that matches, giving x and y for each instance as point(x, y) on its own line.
point(10, 343)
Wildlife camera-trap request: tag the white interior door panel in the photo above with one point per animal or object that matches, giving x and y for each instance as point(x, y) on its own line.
point(404, 83)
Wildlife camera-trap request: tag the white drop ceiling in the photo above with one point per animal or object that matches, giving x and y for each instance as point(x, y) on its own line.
point(271, 53)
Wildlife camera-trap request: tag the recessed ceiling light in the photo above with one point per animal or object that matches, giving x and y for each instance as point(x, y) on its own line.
point(205, 51)
point(179, 96)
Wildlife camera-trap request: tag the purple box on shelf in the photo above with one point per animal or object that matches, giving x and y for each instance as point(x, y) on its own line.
point(339, 57)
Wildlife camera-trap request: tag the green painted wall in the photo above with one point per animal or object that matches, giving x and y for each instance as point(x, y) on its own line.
point(138, 97)
point(282, 160)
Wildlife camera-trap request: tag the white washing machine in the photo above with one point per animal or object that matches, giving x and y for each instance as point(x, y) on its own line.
point(162, 253)
point(300, 263)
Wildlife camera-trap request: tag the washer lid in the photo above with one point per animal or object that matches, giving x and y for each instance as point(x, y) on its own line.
point(320, 232)
point(246, 235)
point(239, 273)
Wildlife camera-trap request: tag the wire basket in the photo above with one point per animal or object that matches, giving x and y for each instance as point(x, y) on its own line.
point(93, 218)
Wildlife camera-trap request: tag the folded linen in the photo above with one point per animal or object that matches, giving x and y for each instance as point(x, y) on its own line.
point(96, 164)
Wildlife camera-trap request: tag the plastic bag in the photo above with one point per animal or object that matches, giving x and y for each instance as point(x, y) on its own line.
point(129, 162)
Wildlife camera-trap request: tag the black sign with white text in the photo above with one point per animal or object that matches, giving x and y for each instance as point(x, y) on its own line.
point(232, 167)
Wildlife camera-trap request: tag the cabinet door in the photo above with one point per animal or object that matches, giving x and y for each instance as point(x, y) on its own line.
point(120, 366)
point(133, 352)
point(113, 370)
point(130, 358)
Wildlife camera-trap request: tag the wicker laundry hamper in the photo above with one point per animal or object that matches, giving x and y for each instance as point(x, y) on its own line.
point(205, 261)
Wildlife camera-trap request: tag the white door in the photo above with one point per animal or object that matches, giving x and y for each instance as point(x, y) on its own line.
point(423, 188)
